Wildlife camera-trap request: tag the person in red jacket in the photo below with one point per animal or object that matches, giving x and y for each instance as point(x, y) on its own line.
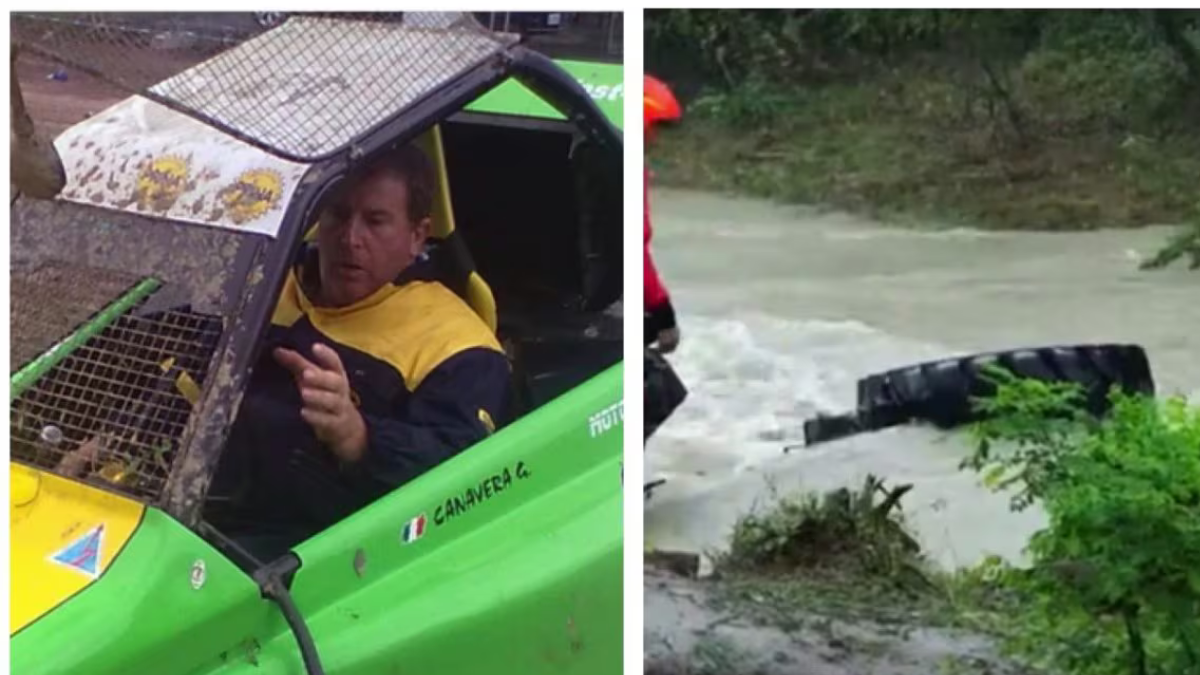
point(659, 105)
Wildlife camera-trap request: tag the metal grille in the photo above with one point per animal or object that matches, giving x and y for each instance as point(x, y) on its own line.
point(116, 408)
point(302, 90)
point(113, 411)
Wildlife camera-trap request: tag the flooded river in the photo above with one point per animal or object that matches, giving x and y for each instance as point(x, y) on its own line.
point(783, 309)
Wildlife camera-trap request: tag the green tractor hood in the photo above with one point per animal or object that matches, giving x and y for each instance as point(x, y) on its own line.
point(86, 614)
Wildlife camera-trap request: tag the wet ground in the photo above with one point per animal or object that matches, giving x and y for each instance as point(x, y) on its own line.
point(709, 628)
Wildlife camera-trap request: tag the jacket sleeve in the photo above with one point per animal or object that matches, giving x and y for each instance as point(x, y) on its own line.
point(656, 292)
point(658, 309)
point(454, 407)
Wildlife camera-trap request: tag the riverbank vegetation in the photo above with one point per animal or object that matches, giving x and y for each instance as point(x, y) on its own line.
point(1111, 585)
point(1037, 119)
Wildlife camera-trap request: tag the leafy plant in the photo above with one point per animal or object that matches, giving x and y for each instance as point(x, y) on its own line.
point(1040, 421)
point(1114, 585)
point(852, 531)
point(1186, 244)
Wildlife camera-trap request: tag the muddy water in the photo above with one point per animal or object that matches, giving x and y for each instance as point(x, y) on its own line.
point(782, 309)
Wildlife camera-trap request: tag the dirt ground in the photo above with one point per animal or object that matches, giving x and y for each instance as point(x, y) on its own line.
point(703, 627)
point(56, 105)
point(50, 301)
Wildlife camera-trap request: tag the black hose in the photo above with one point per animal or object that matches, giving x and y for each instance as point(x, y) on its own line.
point(273, 585)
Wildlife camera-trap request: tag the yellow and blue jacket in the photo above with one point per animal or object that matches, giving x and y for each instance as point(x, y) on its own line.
point(428, 375)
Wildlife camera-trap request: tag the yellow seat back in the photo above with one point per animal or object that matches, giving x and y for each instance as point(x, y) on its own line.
point(478, 293)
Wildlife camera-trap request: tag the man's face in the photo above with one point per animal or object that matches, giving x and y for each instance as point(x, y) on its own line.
point(366, 239)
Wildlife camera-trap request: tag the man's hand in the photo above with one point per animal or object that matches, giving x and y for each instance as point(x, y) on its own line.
point(668, 339)
point(328, 409)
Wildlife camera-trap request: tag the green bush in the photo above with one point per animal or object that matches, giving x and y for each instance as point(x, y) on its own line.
point(850, 532)
point(1043, 119)
point(1114, 582)
point(1186, 244)
point(1100, 89)
point(754, 104)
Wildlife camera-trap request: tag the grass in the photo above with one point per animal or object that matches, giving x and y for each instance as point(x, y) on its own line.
point(910, 146)
point(860, 532)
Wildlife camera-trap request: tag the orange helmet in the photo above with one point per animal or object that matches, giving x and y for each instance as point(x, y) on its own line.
point(658, 103)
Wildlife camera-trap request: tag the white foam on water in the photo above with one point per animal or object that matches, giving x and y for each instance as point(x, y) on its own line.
point(753, 379)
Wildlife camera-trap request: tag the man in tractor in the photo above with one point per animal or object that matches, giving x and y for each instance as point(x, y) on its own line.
point(658, 106)
point(375, 371)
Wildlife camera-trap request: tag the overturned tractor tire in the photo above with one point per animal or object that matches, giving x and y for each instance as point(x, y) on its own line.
point(943, 392)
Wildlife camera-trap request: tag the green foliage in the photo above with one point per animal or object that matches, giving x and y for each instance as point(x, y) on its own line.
point(751, 105)
point(851, 532)
point(1114, 585)
point(1044, 119)
point(775, 43)
point(1086, 89)
point(1186, 244)
point(726, 46)
point(1041, 422)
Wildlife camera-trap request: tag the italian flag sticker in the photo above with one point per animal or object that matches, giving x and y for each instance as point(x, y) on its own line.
point(413, 530)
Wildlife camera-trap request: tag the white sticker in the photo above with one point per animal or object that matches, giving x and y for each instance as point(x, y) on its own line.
point(606, 420)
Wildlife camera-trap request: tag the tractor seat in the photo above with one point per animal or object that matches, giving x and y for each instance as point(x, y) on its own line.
point(456, 269)
point(452, 259)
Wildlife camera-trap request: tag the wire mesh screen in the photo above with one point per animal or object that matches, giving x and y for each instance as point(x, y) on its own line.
point(302, 90)
point(114, 409)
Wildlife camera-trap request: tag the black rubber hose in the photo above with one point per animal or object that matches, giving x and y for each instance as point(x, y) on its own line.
point(274, 587)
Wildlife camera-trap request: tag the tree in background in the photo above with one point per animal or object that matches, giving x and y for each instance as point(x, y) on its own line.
point(1046, 119)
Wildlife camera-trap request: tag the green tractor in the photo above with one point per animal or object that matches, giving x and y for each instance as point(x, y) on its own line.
point(141, 294)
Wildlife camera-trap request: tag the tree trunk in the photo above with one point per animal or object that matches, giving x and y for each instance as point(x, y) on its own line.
point(1000, 92)
point(35, 168)
point(1137, 646)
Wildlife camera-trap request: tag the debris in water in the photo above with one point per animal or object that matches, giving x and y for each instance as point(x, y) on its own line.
point(682, 563)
